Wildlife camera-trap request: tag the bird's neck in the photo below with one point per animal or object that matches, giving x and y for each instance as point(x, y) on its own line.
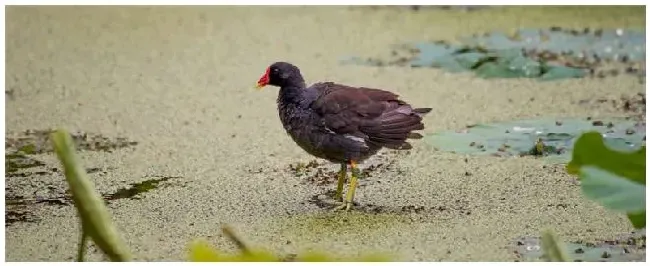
point(291, 93)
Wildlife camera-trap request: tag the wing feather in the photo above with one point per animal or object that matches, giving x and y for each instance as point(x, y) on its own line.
point(375, 115)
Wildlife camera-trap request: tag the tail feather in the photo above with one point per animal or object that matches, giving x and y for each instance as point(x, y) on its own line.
point(382, 141)
point(392, 129)
point(415, 136)
point(403, 128)
point(422, 111)
point(398, 136)
point(395, 146)
point(398, 124)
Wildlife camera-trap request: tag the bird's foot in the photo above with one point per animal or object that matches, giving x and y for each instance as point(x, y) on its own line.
point(346, 206)
point(338, 198)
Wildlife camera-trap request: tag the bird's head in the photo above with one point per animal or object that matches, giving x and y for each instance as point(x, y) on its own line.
point(280, 74)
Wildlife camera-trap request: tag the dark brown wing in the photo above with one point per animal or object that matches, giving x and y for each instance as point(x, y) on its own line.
point(376, 115)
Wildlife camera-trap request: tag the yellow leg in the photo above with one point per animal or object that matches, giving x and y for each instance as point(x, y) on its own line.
point(342, 177)
point(349, 199)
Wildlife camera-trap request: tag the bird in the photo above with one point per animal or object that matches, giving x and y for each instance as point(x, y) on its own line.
point(341, 124)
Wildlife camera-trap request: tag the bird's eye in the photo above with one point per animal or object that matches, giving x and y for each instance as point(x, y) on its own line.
point(275, 70)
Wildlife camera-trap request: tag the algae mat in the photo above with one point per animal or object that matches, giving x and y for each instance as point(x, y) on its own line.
point(178, 81)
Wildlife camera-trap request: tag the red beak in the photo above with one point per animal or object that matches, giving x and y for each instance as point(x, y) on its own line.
point(264, 80)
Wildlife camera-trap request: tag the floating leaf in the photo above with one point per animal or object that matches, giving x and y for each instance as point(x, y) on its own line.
point(603, 44)
point(429, 53)
point(494, 70)
point(626, 247)
point(525, 67)
point(521, 138)
point(449, 63)
point(470, 59)
point(545, 54)
point(562, 72)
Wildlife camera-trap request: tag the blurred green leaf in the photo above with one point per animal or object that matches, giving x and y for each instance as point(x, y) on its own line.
point(590, 149)
point(201, 251)
point(615, 179)
point(95, 219)
point(612, 191)
point(637, 219)
point(313, 256)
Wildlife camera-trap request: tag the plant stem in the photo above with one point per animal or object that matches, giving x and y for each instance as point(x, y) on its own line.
point(238, 242)
point(553, 247)
point(95, 219)
point(82, 246)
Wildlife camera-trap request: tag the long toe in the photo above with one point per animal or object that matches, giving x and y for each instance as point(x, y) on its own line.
point(344, 207)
